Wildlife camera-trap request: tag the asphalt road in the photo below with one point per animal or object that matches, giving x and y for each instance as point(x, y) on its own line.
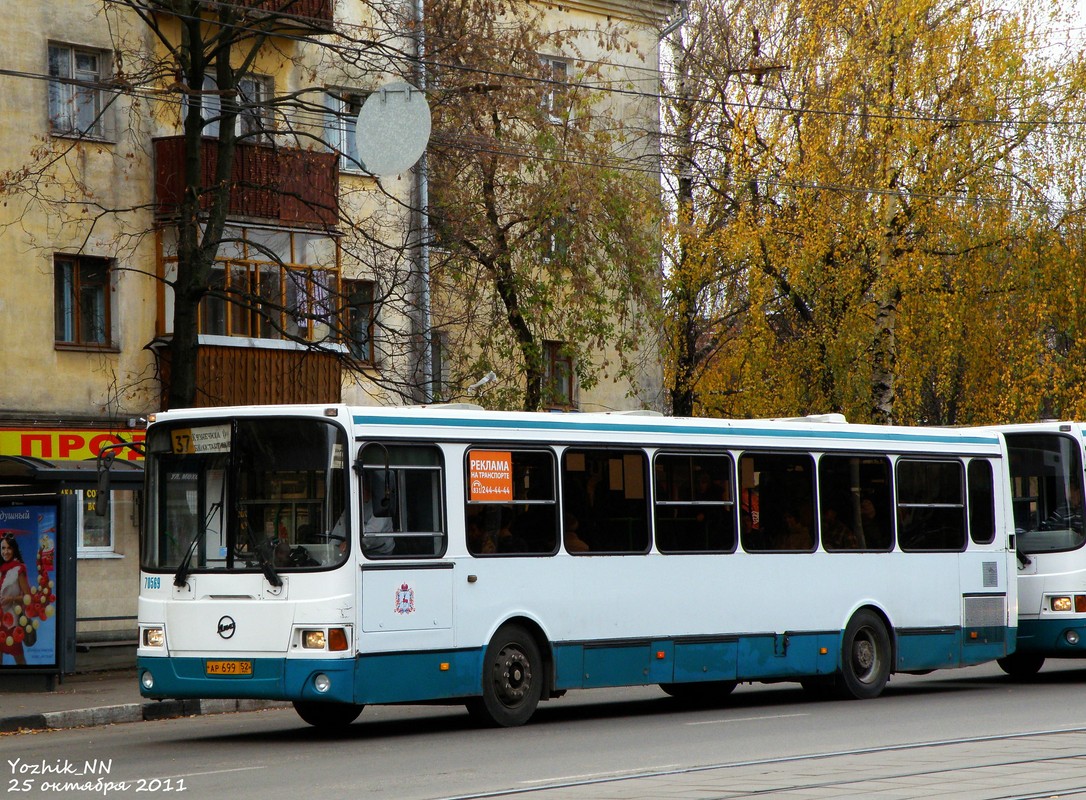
point(420, 753)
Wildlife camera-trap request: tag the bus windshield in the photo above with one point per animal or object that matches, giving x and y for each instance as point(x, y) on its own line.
point(261, 494)
point(1046, 483)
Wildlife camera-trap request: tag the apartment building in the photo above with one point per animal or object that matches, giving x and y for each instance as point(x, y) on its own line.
point(314, 287)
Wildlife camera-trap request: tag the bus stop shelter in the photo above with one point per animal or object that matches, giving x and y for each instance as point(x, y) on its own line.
point(39, 515)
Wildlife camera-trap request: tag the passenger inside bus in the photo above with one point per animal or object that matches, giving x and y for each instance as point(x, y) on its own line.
point(836, 535)
point(797, 529)
point(573, 540)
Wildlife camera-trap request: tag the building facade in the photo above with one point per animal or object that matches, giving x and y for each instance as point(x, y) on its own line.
point(315, 292)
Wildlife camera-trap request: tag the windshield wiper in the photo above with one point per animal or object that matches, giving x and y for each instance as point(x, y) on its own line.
point(180, 578)
point(265, 564)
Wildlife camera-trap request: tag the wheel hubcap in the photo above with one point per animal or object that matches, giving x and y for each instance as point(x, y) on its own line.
point(513, 675)
point(864, 657)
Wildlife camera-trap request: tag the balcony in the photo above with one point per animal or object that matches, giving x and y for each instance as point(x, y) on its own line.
point(281, 16)
point(297, 188)
point(229, 376)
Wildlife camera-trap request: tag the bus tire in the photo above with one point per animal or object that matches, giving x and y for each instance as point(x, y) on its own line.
point(865, 657)
point(512, 679)
point(1021, 666)
point(707, 693)
point(327, 715)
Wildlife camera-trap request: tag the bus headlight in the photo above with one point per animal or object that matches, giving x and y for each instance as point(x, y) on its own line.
point(313, 640)
point(322, 683)
point(154, 637)
point(1061, 604)
point(147, 680)
point(1071, 637)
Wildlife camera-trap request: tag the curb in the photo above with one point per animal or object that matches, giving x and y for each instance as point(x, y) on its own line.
point(130, 712)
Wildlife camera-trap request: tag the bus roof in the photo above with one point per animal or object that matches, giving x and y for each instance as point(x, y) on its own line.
point(457, 420)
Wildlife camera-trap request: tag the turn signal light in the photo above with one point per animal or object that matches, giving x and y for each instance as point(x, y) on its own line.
point(337, 639)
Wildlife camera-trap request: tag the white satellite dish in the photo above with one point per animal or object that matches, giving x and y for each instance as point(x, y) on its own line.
point(393, 129)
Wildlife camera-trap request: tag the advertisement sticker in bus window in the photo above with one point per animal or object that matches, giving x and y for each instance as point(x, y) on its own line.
point(490, 476)
point(210, 439)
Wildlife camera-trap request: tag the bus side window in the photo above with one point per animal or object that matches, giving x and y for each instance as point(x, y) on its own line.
point(982, 524)
point(404, 513)
point(783, 484)
point(854, 497)
point(605, 494)
point(931, 506)
point(510, 503)
point(694, 503)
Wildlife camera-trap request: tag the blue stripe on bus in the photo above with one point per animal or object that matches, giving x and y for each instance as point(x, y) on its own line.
point(829, 432)
point(1048, 637)
point(451, 674)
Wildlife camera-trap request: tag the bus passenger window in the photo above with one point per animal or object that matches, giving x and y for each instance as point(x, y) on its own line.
point(982, 525)
point(402, 513)
point(781, 487)
point(930, 505)
point(694, 503)
point(605, 495)
point(510, 504)
point(854, 500)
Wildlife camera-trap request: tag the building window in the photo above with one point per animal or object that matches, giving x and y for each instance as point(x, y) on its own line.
point(95, 532)
point(555, 81)
point(76, 100)
point(343, 108)
point(254, 115)
point(272, 284)
point(254, 110)
point(359, 319)
point(558, 389)
point(81, 300)
point(268, 301)
point(555, 238)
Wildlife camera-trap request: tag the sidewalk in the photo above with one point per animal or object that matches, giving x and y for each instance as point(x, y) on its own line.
point(102, 691)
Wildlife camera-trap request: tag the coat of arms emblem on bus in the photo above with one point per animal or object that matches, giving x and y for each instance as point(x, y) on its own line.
point(405, 599)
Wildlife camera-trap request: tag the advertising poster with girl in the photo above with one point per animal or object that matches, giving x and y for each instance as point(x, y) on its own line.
point(28, 586)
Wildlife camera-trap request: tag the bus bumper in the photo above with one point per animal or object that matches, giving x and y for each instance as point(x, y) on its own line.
point(1053, 638)
point(271, 679)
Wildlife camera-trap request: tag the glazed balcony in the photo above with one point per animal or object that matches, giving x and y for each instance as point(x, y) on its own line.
point(297, 188)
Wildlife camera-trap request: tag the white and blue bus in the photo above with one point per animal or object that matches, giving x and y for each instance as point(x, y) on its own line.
point(341, 556)
point(1046, 472)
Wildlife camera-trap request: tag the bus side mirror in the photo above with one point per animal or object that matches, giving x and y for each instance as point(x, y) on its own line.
point(106, 457)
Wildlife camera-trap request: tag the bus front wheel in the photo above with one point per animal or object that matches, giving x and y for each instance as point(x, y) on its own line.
point(327, 715)
point(1021, 666)
point(512, 679)
point(865, 657)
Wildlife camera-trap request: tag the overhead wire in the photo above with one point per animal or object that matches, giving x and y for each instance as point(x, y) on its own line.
point(623, 163)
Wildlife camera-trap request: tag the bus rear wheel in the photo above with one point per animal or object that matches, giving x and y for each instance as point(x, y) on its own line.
point(512, 679)
point(1021, 666)
point(865, 657)
point(327, 715)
